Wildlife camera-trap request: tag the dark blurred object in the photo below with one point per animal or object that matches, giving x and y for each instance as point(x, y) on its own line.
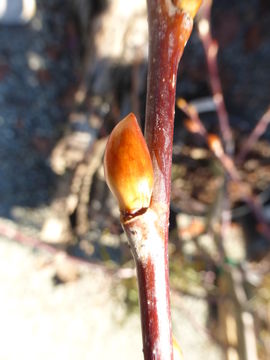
point(17, 12)
point(242, 31)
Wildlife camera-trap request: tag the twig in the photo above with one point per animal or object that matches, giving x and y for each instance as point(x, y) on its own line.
point(251, 200)
point(253, 137)
point(11, 232)
point(227, 162)
point(194, 125)
point(211, 50)
point(254, 204)
point(192, 317)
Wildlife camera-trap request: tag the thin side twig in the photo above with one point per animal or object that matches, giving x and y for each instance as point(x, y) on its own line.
point(211, 50)
point(258, 131)
point(196, 125)
point(252, 201)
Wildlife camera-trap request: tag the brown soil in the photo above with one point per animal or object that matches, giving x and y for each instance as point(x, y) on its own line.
point(198, 177)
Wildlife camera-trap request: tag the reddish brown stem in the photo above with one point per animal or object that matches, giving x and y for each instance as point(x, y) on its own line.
point(150, 311)
point(169, 30)
point(126, 162)
point(148, 248)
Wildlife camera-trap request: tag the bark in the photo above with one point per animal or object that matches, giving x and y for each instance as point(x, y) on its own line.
point(169, 30)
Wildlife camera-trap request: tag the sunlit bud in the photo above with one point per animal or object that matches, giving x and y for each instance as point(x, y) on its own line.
point(128, 166)
point(189, 6)
point(203, 27)
point(181, 103)
point(185, 107)
point(215, 145)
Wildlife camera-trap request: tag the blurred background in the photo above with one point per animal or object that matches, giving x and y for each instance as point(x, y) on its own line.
point(69, 71)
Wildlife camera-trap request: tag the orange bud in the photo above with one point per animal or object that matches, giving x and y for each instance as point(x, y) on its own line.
point(128, 166)
point(186, 108)
point(192, 126)
point(215, 145)
point(189, 6)
point(182, 104)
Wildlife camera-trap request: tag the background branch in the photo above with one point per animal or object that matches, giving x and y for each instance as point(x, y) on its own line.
point(211, 51)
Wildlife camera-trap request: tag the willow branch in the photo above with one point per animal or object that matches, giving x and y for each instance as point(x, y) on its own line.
point(169, 29)
point(147, 245)
point(140, 175)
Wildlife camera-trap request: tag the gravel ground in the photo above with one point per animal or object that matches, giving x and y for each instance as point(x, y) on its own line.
point(35, 71)
point(81, 319)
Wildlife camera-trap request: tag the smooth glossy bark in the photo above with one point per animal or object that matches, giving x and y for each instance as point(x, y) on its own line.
point(169, 30)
